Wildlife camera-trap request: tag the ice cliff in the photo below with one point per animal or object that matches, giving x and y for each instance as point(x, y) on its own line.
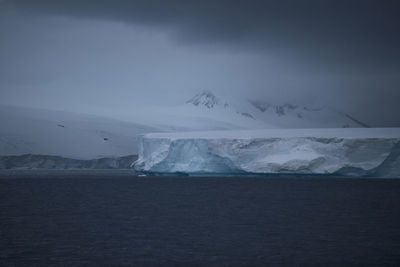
point(344, 151)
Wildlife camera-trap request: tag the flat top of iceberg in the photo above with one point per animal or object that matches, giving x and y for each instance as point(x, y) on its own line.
point(284, 133)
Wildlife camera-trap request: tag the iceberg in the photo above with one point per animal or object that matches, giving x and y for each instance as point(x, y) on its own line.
point(338, 151)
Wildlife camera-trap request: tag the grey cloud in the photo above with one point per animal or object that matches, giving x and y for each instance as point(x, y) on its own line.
point(341, 52)
point(359, 35)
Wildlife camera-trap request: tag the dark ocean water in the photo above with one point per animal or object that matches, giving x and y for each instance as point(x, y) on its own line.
point(117, 220)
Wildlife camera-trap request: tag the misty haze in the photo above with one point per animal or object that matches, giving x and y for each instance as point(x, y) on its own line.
point(175, 132)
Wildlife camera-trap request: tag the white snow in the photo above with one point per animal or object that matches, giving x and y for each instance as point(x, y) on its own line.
point(82, 136)
point(208, 111)
point(285, 133)
point(357, 152)
point(71, 135)
point(257, 114)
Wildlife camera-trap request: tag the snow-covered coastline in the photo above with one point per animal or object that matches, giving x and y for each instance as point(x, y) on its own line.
point(340, 151)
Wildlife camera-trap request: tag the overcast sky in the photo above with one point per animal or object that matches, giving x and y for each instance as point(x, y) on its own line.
point(91, 56)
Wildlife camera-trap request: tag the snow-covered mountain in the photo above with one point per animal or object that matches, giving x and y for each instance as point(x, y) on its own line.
point(205, 98)
point(271, 115)
point(82, 136)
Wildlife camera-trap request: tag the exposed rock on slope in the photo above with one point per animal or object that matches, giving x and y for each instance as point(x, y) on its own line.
point(55, 162)
point(274, 115)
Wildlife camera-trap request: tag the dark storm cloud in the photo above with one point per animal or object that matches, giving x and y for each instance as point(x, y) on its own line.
point(361, 36)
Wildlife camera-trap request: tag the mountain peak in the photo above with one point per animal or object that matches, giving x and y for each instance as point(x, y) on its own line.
point(284, 115)
point(204, 98)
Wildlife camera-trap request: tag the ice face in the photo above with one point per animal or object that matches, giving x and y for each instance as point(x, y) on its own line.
point(353, 152)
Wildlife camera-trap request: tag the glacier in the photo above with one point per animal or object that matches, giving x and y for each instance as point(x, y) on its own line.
point(354, 152)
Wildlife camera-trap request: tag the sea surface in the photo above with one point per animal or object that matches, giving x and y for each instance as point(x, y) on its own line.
point(117, 219)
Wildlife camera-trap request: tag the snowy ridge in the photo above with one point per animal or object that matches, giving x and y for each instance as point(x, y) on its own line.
point(351, 152)
point(205, 98)
point(285, 115)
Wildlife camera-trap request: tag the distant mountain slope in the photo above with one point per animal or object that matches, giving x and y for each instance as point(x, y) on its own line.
point(82, 136)
point(273, 115)
point(79, 136)
point(205, 98)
